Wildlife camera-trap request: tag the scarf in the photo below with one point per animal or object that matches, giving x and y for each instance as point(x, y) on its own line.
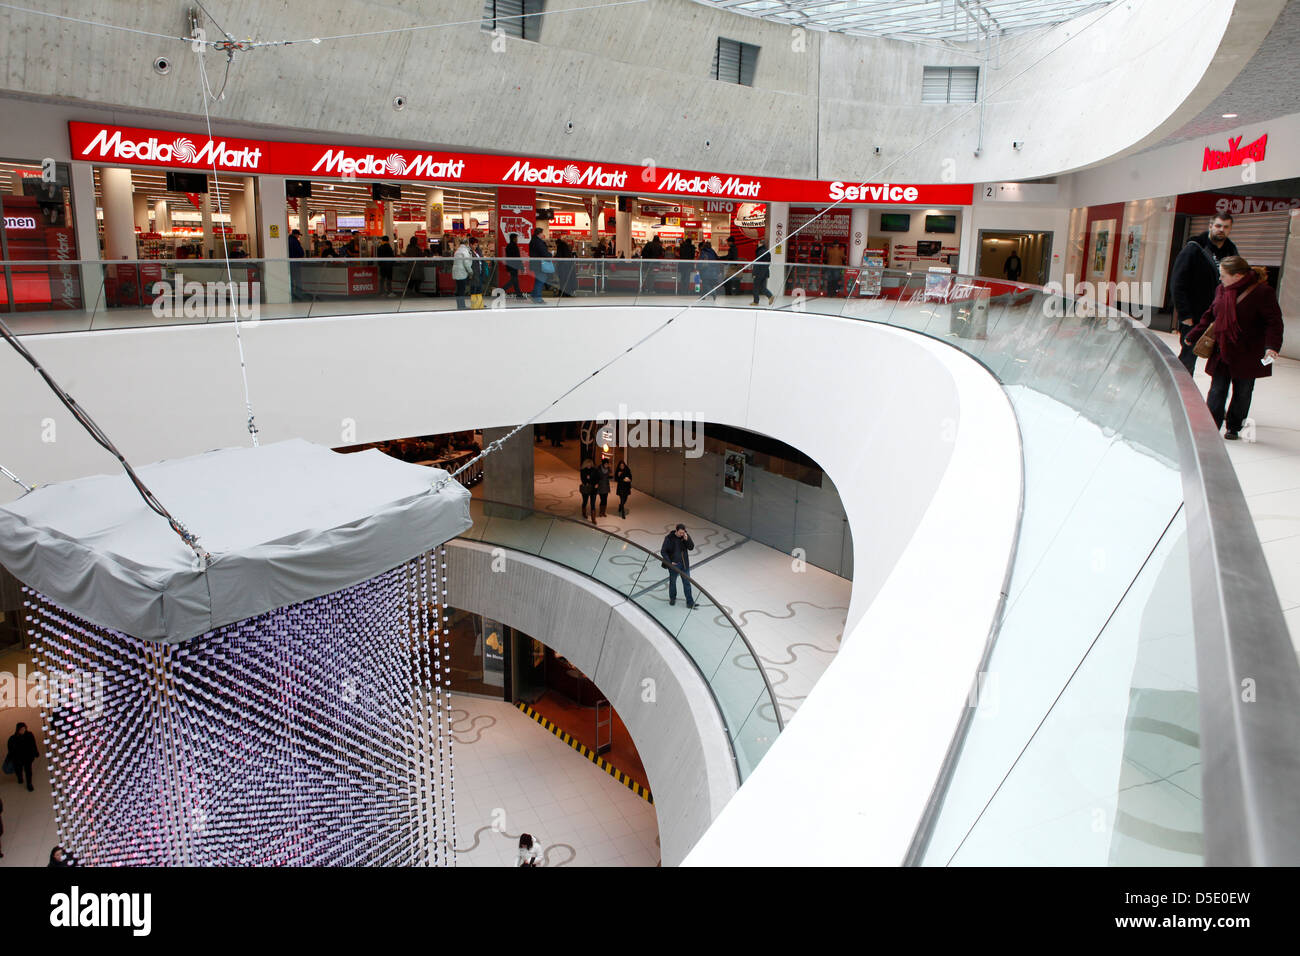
point(1226, 326)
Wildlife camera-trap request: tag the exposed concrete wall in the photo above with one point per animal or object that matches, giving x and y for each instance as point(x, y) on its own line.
point(679, 735)
point(634, 80)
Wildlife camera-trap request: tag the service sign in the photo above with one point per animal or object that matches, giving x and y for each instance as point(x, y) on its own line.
point(132, 146)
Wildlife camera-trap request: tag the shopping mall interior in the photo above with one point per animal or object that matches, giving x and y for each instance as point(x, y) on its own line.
point(683, 420)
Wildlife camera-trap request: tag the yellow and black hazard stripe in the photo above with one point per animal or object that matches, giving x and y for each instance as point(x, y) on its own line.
point(590, 754)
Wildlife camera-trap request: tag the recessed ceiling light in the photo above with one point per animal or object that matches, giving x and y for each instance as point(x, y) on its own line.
point(1229, 115)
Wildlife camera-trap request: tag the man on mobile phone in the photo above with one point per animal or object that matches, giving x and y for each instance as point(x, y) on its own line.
point(676, 558)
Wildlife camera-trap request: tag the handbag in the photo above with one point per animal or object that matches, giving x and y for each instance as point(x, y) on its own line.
point(548, 267)
point(9, 765)
point(1204, 347)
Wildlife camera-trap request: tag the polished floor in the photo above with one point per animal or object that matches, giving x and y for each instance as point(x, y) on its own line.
point(1269, 471)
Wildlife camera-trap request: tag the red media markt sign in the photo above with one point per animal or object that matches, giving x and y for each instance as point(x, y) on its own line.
point(131, 146)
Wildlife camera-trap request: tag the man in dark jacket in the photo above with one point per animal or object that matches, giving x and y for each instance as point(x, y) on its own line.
point(654, 249)
point(1196, 276)
point(762, 265)
point(296, 251)
point(539, 255)
point(674, 551)
point(22, 752)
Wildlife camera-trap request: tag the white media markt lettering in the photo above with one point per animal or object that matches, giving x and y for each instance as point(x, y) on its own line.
point(570, 175)
point(179, 151)
point(881, 193)
point(421, 167)
point(715, 185)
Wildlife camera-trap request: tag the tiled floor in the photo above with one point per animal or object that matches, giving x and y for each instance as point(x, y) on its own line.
point(513, 776)
point(792, 613)
point(1269, 472)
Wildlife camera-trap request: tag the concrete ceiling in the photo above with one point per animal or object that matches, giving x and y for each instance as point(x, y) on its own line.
point(1267, 87)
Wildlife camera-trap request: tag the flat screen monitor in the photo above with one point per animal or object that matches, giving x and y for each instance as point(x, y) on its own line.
point(382, 191)
point(928, 247)
point(351, 222)
point(895, 222)
point(187, 182)
point(297, 188)
point(940, 223)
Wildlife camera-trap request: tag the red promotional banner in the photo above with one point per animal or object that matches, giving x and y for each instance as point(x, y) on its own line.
point(363, 280)
point(132, 146)
point(517, 215)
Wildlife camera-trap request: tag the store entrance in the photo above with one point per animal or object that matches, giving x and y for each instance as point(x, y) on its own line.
point(1016, 256)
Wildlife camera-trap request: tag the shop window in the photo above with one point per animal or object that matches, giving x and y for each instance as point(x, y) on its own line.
point(734, 62)
point(36, 233)
point(950, 84)
point(514, 18)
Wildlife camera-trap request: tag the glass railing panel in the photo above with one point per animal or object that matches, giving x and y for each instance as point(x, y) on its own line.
point(526, 532)
point(1111, 776)
point(621, 565)
point(706, 635)
point(573, 545)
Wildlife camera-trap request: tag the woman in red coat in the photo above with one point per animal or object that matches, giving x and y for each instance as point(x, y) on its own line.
point(1247, 330)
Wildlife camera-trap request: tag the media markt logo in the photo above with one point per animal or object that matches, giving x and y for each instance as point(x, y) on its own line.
point(76, 909)
point(1235, 154)
point(570, 174)
point(394, 164)
point(710, 185)
point(179, 150)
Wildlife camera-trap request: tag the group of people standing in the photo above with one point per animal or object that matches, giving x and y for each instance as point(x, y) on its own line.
point(594, 482)
point(1216, 291)
point(701, 269)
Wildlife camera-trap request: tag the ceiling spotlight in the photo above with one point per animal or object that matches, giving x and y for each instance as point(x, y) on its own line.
point(1229, 115)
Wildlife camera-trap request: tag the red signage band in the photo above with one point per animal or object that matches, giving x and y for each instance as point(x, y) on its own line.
point(95, 142)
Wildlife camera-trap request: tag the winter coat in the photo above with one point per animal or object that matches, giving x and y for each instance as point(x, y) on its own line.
point(1196, 275)
point(674, 550)
point(1260, 321)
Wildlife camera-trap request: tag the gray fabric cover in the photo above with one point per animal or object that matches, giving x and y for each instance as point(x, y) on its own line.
point(284, 523)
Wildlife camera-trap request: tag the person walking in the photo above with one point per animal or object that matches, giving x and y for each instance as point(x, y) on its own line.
point(708, 271)
point(296, 251)
point(1247, 338)
point(623, 486)
point(1012, 267)
point(674, 552)
point(512, 267)
point(530, 850)
point(652, 250)
point(477, 275)
point(22, 752)
point(835, 268)
point(539, 263)
point(385, 252)
point(732, 284)
point(1194, 278)
point(686, 253)
point(587, 486)
point(762, 265)
point(462, 263)
point(602, 485)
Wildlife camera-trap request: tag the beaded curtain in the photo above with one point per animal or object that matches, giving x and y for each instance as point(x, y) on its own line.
point(315, 734)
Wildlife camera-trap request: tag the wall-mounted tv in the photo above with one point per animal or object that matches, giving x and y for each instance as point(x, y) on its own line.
point(297, 188)
point(940, 223)
point(925, 248)
point(382, 191)
point(187, 182)
point(895, 222)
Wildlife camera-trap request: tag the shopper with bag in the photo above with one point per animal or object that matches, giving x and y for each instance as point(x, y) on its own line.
point(462, 264)
point(477, 274)
point(622, 486)
point(1195, 277)
point(539, 262)
point(1241, 335)
point(587, 487)
point(22, 753)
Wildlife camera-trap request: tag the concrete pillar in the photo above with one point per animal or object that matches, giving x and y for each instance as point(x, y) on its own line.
point(778, 222)
point(859, 230)
point(271, 213)
point(119, 213)
point(433, 211)
point(388, 219)
point(238, 217)
point(140, 210)
point(205, 208)
point(594, 233)
point(162, 217)
point(508, 474)
point(84, 223)
point(623, 234)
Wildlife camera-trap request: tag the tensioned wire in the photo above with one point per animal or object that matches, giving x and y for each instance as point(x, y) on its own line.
point(875, 176)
